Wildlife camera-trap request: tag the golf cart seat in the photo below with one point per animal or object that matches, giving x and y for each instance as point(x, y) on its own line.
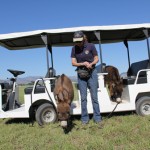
point(6, 85)
point(51, 73)
point(6, 90)
point(38, 90)
point(15, 72)
point(41, 89)
point(133, 70)
point(101, 68)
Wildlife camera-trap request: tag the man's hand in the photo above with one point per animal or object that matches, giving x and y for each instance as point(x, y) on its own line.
point(87, 65)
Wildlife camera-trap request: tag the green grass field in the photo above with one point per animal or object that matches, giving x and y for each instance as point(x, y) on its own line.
point(123, 131)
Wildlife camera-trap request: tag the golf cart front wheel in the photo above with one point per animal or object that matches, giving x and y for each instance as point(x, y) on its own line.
point(46, 114)
point(143, 106)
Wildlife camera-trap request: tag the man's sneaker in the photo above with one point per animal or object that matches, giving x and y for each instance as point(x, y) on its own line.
point(84, 124)
point(100, 124)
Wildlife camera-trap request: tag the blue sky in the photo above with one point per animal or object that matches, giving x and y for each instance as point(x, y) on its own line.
point(29, 15)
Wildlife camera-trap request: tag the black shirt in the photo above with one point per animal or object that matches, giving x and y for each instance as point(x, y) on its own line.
point(85, 53)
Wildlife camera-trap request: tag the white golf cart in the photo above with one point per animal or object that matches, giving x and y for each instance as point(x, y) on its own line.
point(39, 99)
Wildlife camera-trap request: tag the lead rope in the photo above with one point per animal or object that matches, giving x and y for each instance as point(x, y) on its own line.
point(109, 116)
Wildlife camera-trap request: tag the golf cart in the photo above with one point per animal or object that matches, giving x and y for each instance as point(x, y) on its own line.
point(39, 99)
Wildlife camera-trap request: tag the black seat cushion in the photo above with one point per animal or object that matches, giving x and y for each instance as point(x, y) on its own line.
point(38, 89)
point(140, 80)
point(6, 85)
point(137, 66)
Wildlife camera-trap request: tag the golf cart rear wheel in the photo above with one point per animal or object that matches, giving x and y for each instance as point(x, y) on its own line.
point(143, 106)
point(46, 114)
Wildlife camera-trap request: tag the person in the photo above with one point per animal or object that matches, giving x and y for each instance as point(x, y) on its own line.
point(84, 55)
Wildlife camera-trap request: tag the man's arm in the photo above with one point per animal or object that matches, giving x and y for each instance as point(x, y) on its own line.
point(95, 61)
point(74, 63)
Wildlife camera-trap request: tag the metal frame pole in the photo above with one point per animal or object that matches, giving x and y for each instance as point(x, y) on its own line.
point(50, 49)
point(98, 35)
point(47, 58)
point(126, 44)
point(45, 40)
point(146, 34)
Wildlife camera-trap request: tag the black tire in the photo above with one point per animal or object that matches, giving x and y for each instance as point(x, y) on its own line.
point(143, 106)
point(46, 114)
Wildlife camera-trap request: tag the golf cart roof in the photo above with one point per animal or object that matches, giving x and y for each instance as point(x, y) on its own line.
point(64, 36)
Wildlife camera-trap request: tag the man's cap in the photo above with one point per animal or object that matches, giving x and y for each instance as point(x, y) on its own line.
point(78, 36)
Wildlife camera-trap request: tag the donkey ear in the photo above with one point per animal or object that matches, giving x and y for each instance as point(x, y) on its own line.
point(65, 93)
point(56, 97)
point(113, 85)
point(60, 96)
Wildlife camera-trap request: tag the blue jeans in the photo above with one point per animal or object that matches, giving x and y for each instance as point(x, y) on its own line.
point(92, 84)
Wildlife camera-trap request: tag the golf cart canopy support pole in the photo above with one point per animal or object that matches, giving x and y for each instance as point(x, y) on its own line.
point(146, 34)
point(51, 52)
point(98, 35)
point(45, 40)
point(126, 44)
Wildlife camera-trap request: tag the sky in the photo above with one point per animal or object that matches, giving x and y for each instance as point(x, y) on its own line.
point(29, 15)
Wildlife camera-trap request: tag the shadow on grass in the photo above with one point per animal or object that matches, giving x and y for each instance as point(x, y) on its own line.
point(19, 120)
point(106, 115)
point(71, 124)
point(126, 113)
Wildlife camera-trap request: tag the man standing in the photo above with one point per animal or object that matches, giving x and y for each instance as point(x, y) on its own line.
point(84, 56)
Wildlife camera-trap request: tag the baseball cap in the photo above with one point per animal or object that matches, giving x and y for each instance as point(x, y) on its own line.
point(78, 36)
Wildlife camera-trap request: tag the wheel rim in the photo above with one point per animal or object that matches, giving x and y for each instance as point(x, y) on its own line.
point(146, 109)
point(48, 116)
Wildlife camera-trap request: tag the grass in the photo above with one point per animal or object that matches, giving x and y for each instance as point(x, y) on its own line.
point(123, 131)
point(21, 93)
